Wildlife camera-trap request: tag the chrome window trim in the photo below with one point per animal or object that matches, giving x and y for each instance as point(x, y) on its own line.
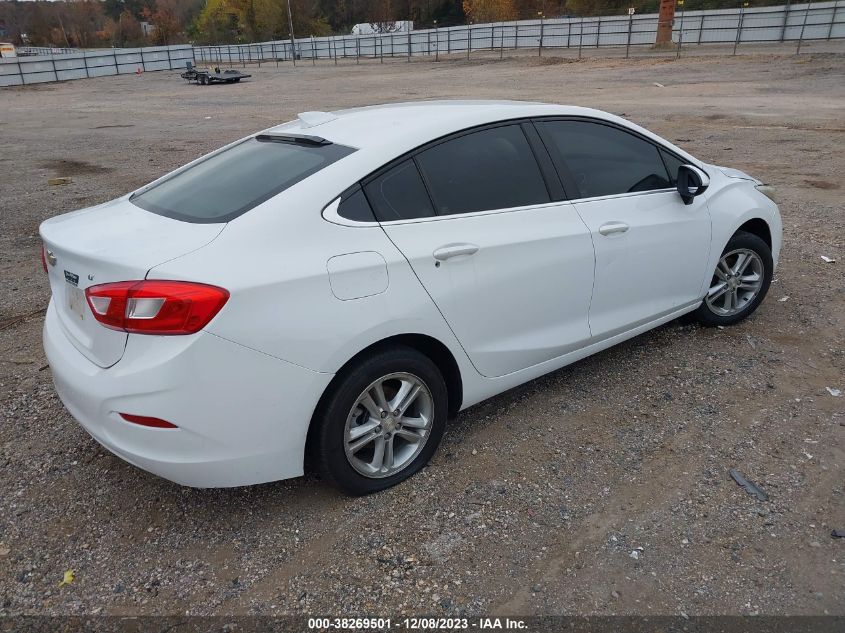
point(330, 213)
point(630, 194)
point(478, 214)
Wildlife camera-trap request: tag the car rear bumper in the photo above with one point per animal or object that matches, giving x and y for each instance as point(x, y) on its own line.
point(242, 415)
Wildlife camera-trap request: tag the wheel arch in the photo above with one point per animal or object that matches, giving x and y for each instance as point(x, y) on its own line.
point(427, 345)
point(758, 227)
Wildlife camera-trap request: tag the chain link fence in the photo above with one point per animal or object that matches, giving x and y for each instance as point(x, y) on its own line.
point(79, 64)
point(628, 34)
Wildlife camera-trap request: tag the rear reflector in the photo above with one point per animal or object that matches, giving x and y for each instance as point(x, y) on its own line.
point(143, 420)
point(155, 307)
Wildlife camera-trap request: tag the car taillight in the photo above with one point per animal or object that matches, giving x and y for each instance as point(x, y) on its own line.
point(155, 307)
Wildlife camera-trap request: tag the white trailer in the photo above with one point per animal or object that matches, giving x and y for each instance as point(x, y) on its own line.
point(375, 28)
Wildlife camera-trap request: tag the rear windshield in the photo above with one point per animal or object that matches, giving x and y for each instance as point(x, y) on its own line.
point(232, 182)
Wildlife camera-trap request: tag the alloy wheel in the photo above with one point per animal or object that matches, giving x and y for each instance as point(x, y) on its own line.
point(389, 425)
point(736, 282)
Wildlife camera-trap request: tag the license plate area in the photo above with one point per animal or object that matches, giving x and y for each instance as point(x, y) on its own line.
point(76, 303)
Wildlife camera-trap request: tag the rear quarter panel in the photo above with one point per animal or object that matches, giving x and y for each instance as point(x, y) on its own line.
point(274, 261)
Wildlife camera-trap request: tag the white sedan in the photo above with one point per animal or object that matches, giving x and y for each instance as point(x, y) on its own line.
point(342, 284)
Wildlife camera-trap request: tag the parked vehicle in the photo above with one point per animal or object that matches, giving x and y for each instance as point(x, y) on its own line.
point(205, 76)
point(345, 282)
point(378, 28)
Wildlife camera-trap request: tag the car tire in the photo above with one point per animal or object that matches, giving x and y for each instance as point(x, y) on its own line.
point(746, 257)
point(342, 422)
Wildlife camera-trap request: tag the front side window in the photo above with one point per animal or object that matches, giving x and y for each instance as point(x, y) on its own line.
point(231, 182)
point(485, 170)
point(672, 163)
point(604, 160)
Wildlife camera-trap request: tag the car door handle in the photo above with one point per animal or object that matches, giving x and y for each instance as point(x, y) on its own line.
point(454, 250)
point(613, 227)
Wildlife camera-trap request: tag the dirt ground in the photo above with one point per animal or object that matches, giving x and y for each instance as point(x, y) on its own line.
point(537, 499)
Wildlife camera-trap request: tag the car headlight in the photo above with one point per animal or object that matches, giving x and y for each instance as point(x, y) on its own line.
point(768, 191)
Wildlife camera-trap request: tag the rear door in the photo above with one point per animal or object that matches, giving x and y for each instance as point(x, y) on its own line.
point(650, 247)
point(509, 265)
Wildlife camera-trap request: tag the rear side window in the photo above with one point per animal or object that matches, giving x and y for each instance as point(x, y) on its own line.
point(354, 206)
point(399, 194)
point(489, 169)
point(604, 160)
point(230, 183)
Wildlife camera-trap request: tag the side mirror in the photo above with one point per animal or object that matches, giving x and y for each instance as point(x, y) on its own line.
point(692, 182)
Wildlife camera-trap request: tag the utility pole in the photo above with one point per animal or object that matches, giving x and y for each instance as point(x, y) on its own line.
point(292, 40)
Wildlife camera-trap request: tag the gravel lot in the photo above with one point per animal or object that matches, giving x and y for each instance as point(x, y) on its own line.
point(537, 499)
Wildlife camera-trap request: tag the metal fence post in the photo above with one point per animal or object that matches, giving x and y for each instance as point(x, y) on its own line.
point(801, 35)
point(739, 27)
point(334, 46)
point(449, 41)
point(502, 43)
point(700, 28)
point(85, 61)
point(169, 63)
point(409, 46)
point(580, 36)
point(628, 44)
point(469, 40)
point(540, 46)
point(436, 44)
point(785, 20)
point(357, 50)
point(832, 18)
point(680, 31)
point(598, 33)
point(381, 47)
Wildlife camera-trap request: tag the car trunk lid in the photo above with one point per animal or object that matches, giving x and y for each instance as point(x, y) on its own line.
point(116, 241)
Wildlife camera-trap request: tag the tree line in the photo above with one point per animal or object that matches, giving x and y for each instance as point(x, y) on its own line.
point(121, 23)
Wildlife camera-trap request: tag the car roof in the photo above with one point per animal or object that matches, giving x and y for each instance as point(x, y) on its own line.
point(400, 127)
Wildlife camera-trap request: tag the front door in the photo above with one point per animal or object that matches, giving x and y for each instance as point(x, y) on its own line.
point(651, 249)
